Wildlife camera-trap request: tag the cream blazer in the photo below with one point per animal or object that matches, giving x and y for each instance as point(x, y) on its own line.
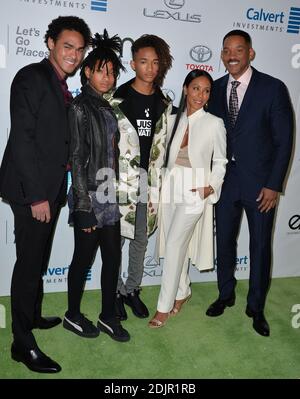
point(207, 150)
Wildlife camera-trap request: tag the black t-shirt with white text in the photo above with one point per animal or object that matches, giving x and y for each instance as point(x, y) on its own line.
point(143, 116)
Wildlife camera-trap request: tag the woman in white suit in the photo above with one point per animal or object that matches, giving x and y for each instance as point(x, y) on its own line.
point(196, 161)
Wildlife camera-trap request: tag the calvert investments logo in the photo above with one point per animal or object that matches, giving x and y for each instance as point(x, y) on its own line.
point(294, 20)
point(97, 5)
point(270, 20)
point(2, 56)
point(176, 10)
point(200, 54)
point(241, 262)
point(59, 275)
point(78, 5)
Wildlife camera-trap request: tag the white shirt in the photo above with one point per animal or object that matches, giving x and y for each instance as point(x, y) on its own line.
point(241, 89)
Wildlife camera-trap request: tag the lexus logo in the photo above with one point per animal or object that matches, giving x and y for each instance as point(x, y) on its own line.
point(150, 262)
point(294, 222)
point(175, 4)
point(200, 53)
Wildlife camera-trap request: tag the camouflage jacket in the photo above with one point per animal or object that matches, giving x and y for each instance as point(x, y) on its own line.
point(129, 162)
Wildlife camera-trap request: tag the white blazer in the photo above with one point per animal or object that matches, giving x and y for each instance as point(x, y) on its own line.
point(206, 147)
point(207, 150)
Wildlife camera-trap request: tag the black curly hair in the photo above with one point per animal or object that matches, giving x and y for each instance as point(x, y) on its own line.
point(62, 23)
point(105, 49)
point(162, 50)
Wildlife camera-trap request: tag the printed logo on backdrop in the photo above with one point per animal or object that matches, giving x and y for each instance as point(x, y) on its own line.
point(99, 5)
point(270, 20)
point(87, 5)
point(125, 53)
point(294, 224)
point(28, 41)
point(175, 10)
point(294, 20)
point(151, 268)
point(200, 54)
point(59, 275)
point(2, 56)
point(175, 4)
point(242, 263)
point(63, 4)
point(295, 61)
point(169, 93)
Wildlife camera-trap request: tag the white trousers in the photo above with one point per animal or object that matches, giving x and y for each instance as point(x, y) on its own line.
point(181, 210)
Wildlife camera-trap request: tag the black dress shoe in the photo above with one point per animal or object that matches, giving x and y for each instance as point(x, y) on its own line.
point(44, 323)
point(217, 308)
point(120, 310)
point(34, 359)
point(260, 323)
point(133, 300)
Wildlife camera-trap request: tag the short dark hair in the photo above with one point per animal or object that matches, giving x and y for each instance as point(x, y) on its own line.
point(196, 73)
point(105, 50)
point(237, 32)
point(60, 24)
point(162, 50)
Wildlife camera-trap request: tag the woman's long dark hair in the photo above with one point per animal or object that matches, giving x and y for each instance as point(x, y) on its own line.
point(196, 73)
point(105, 49)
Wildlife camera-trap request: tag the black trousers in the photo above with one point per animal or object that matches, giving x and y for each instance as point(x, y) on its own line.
point(228, 217)
point(33, 246)
point(86, 245)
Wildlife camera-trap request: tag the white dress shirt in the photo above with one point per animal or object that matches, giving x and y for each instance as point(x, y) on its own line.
point(241, 89)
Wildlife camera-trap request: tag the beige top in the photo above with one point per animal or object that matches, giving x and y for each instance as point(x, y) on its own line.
point(183, 157)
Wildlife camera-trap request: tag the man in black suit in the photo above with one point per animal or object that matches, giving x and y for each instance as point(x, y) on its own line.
point(258, 116)
point(33, 178)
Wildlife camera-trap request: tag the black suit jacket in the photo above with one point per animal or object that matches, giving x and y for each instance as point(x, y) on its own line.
point(35, 158)
point(262, 137)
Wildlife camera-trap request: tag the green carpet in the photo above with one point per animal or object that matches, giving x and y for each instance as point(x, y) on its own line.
point(191, 345)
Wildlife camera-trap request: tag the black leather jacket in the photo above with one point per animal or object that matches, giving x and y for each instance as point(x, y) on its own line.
point(88, 151)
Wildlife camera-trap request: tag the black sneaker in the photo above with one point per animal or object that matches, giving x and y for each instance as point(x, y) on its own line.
point(121, 313)
point(139, 309)
point(81, 326)
point(114, 329)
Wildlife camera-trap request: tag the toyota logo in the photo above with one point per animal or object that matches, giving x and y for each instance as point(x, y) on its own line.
point(200, 53)
point(170, 93)
point(175, 4)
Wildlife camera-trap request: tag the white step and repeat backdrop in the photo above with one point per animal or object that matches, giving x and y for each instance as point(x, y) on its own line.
point(194, 30)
